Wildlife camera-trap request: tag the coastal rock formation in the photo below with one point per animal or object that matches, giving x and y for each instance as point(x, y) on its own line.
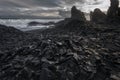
point(76, 21)
point(113, 9)
point(112, 16)
point(97, 16)
point(62, 52)
point(113, 13)
point(77, 14)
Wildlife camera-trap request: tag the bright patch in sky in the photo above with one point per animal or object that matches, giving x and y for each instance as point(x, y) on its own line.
point(90, 5)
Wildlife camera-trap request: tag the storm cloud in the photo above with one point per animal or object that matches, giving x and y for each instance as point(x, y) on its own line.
point(46, 8)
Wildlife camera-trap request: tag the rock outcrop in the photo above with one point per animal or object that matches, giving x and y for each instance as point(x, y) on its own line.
point(75, 22)
point(112, 16)
point(97, 16)
point(113, 13)
point(78, 51)
point(77, 14)
point(113, 9)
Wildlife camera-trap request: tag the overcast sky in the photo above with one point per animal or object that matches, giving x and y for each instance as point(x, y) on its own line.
point(48, 7)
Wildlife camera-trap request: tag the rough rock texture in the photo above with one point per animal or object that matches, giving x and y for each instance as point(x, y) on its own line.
point(77, 20)
point(63, 57)
point(97, 16)
point(9, 36)
point(65, 54)
point(77, 14)
point(113, 13)
point(113, 9)
point(76, 51)
point(112, 17)
point(71, 24)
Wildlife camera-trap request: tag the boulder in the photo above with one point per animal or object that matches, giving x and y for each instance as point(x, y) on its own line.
point(77, 14)
point(97, 16)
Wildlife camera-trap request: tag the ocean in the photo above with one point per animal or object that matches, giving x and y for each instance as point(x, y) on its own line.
point(22, 24)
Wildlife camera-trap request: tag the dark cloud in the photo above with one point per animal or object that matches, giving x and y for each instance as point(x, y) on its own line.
point(47, 3)
point(72, 1)
point(48, 7)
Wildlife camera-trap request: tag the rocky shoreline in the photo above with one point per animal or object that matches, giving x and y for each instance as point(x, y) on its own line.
point(75, 49)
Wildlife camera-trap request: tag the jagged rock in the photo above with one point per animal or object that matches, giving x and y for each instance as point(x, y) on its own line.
point(97, 16)
point(77, 14)
point(68, 56)
point(68, 63)
point(113, 9)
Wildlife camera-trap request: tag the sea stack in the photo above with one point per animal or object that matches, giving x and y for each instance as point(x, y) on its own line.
point(113, 10)
point(97, 16)
point(77, 14)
